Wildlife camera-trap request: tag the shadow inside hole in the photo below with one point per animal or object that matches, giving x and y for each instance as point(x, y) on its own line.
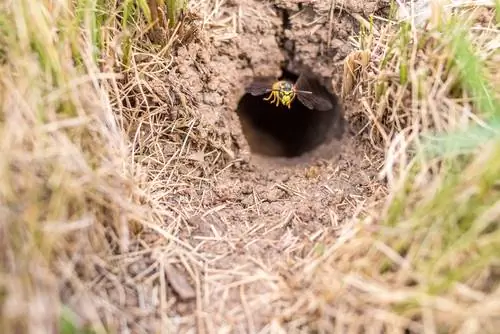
point(279, 131)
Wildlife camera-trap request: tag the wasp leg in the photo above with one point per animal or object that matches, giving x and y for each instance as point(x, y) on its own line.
point(269, 97)
point(272, 97)
point(273, 101)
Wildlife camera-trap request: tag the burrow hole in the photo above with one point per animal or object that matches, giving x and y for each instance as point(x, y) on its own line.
point(279, 131)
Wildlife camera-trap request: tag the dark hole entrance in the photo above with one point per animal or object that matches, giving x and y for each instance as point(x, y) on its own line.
point(279, 131)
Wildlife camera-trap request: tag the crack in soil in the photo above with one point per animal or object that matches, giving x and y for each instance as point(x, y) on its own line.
point(286, 45)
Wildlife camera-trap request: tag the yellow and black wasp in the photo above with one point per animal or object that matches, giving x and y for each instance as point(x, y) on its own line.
point(285, 92)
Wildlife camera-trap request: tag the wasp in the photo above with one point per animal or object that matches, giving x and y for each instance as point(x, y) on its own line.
point(285, 92)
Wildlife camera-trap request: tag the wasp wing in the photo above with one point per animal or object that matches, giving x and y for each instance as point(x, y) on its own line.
point(312, 100)
point(260, 87)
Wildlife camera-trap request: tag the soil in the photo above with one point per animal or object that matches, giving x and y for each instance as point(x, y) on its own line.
point(242, 215)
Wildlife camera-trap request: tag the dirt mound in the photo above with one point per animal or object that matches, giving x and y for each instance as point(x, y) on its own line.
point(238, 212)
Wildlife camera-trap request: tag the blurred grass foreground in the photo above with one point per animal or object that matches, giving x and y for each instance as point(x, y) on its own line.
point(71, 194)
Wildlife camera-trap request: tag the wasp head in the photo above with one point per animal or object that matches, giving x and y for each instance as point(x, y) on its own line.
point(286, 92)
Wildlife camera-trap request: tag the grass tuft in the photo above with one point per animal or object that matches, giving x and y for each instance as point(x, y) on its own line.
point(67, 199)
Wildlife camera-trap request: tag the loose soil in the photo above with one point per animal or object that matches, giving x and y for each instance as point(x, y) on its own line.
point(239, 215)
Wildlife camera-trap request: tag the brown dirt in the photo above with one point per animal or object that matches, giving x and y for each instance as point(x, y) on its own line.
point(241, 216)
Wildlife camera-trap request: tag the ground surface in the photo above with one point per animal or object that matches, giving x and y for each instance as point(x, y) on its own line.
point(181, 227)
point(241, 216)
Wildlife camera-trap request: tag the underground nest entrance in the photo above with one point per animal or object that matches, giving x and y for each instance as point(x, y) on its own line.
point(272, 130)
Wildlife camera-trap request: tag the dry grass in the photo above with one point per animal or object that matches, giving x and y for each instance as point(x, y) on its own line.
point(98, 173)
point(98, 167)
point(72, 199)
point(413, 83)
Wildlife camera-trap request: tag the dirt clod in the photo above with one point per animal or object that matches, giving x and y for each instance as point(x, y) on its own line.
point(179, 283)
